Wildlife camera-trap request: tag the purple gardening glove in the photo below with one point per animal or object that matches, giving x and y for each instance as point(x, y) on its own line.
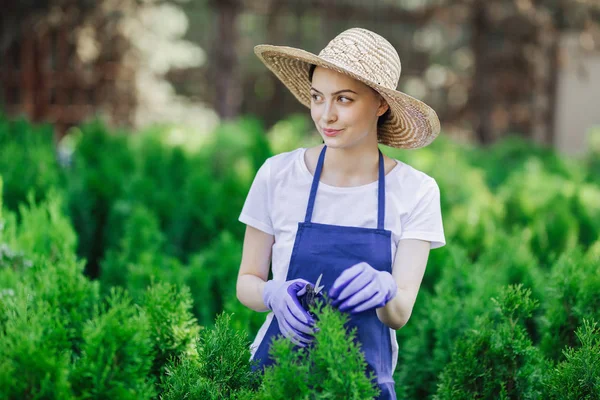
point(294, 322)
point(361, 288)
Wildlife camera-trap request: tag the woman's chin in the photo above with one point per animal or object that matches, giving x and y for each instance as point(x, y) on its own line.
point(332, 141)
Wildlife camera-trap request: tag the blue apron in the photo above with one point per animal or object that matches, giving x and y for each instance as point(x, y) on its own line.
point(330, 249)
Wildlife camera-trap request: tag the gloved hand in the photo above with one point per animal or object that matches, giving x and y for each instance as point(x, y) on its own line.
point(294, 322)
point(362, 287)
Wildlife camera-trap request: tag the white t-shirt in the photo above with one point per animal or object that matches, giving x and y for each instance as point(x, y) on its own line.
point(278, 198)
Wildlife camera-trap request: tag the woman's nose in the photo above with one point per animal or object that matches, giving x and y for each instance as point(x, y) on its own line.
point(329, 113)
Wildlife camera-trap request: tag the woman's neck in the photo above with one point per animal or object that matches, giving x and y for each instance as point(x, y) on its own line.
point(352, 166)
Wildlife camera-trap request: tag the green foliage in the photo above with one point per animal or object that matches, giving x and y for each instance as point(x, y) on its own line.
point(332, 368)
point(443, 315)
point(496, 358)
point(27, 161)
point(116, 356)
point(140, 257)
point(578, 376)
point(172, 326)
point(212, 275)
point(513, 153)
point(222, 369)
point(44, 229)
point(291, 133)
point(34, 349)
point(552, 207)
point(572, 295)
point(156, 218)
point(45, 302)
point(102, 165)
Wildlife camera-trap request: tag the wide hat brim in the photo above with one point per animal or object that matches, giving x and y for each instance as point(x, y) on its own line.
point(411, 123)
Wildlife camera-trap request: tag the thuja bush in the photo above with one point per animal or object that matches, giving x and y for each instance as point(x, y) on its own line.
point(496, 359)
point(101, 167)
point(59, 338)
point(578, 375)
point(140, 257)
point(511, 153)
point(117, 352)
point(34, 348)
point(44, 228)
point(438, 318)
point(45, 302)
point(441, 316)
point(221, 369)
point(173, 328)
point(571, 296)
point(561, 214)
point(333, 367)
point(212, 277)
point(28, 162)
point(472, 214)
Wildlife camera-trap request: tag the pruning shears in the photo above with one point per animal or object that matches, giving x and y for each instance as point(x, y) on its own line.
point(317, 287)
point(308, 298)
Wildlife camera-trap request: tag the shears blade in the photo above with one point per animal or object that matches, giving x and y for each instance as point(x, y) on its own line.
point(317, 287)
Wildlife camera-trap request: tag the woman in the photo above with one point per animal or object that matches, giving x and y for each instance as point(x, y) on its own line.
point(364, 221)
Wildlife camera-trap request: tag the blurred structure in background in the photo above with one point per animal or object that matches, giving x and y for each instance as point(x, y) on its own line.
point(489, 68)
point(65, 61)
point(62, 62)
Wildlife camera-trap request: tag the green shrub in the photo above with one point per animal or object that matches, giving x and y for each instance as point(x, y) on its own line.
point(571, 296)
point(37, 255)
point(159, 217)
point(496, 359)
point(172, 326)
point(472, 213)
point(28, 162)
point(443, 315)
point(221, 370)
point(102, 166)
point(117, 353)
point(578, 376)
point(140, 257)
point(333, 368)
point(292, 132)
point(512, 153)
point(545, 204)
point(157, 183)
point(44, 303)
point(212, 276)
point(34, 348)
point(44, 229)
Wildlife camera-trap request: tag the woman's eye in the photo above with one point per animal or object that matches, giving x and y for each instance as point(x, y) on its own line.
point(346, 99)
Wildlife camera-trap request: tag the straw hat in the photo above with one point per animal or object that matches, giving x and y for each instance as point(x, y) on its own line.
point(371, 59)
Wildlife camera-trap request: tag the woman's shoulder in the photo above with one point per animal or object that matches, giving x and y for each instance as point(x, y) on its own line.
point(411, 178)
point(285, 158)
point(282, 162)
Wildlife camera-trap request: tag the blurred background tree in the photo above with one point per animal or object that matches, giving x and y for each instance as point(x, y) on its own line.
point(489, 68)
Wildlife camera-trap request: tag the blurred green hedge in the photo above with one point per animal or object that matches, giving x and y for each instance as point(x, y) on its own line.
point(508, 309)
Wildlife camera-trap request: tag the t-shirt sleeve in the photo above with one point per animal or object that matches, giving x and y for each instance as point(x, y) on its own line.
point(256, 209)
point(425, 220)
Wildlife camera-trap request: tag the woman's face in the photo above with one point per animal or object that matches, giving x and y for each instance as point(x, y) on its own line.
point(343, 103)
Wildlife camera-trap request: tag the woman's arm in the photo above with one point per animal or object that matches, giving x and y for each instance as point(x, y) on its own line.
point(408, 270)
point(254, 268)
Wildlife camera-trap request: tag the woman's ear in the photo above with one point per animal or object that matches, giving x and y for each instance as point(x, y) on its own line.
point(383, 106)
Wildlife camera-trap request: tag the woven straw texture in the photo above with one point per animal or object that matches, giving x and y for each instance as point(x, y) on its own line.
point(371, 59)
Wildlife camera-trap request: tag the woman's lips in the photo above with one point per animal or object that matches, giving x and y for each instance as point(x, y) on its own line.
point(331, 132)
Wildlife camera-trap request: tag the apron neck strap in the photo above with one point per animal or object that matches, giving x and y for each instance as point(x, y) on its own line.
point(380, 192)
